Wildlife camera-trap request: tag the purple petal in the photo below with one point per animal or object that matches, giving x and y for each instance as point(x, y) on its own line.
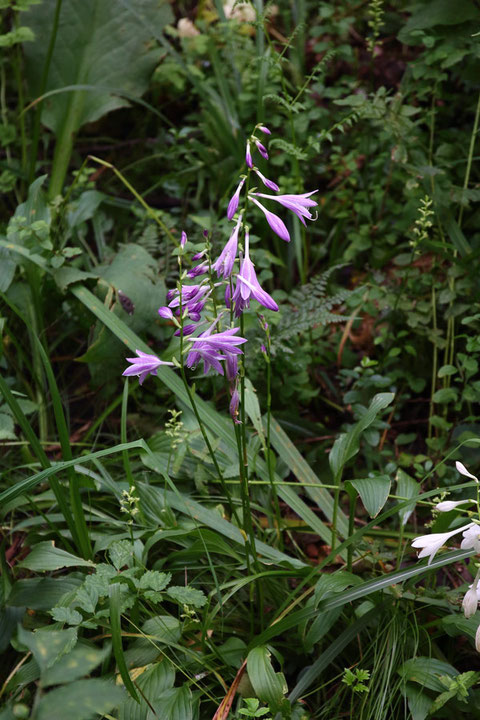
point(165, 313)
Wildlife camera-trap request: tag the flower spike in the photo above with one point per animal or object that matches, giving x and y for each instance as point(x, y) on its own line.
point(276, 223)
point(144, 365)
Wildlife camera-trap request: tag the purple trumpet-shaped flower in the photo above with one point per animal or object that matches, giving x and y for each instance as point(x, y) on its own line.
point(265, 130)
point(276, 223)
point(187, 330)
point(214, 348)
point(144, 365)
point(235, 199)
point(268, 183)
point(199, 255)
point(261, 149)
point(298, 204)
point(248, 155)
point(234, 403)
point(165, 312)
point(231, 366)
point(223, 265)
point(198, 270)
point(194, 298)
point(248, 285)
point(183, 239)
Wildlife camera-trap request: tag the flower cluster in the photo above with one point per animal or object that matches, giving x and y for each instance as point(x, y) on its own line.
point(430, 544)
point(218, 347)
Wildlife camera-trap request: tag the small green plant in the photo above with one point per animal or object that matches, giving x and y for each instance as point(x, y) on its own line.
point(253, 709)
point(356, 680)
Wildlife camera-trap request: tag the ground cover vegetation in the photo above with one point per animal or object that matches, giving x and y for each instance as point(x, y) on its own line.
point(239, 390)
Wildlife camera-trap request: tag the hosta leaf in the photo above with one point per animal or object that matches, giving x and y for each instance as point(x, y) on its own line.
point(48, 646)
point(79, 700)
point(46, 557)
point(269, 685)
point(76, 664)
point(373, 492)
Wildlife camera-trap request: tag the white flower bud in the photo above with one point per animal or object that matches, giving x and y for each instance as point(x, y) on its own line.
point(477, 639)
point(448, 505)
point(470, 604)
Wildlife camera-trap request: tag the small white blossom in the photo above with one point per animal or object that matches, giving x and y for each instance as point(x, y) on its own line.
point(463, 471)
point(471, 538)
point(448, 505)
point(477, 639)
point(431, 544)
point(186, 28)
point(470, 602)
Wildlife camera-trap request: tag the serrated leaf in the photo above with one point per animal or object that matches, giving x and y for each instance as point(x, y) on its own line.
point(187, 595)
point(46, 557)
point(154, 580)
point(373, 492)
point(66, 615)
point(121, 553)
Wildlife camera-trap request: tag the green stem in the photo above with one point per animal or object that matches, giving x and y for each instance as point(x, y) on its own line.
point(434, 364)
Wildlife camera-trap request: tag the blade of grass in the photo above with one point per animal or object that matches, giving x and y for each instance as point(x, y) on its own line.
point(116, 628)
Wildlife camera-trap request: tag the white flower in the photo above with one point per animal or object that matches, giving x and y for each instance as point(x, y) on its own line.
point(431, 544)
point(471, 538)
point(448, 505)
point(470, 602)
point(463, 471)
point(477, 639)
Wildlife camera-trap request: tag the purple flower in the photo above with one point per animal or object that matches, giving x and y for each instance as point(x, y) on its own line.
point(198, 270)
point(194, 298)
point(187, 330)
point(248, 286)
point(234, 402)
point(231, 366)
point(264, 130)
point(276, 223)
point(261, 149)
point(214, 348)
point(248, 155)
point(183, 240)
point(144, 365)
point(165, 313)
point(298, 204)
point(223, 265)
point(199, 255)
point(268, 183)
point(233, 204)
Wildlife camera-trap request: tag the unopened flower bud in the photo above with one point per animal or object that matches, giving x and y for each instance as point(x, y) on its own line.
point(248, 155)
point(477, 639)
point(183, 240)
point(265, 130)
point(470, 603)
point(165, 313)
point(448, 505)
point(261, 149)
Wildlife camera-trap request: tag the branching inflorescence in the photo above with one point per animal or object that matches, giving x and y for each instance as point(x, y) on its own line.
point(218, 346)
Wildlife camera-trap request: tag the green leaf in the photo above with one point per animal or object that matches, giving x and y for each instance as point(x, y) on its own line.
point(329, 585)
point(102, 44)
point(7, 427)
point(121, 553)
point(116, 628)
point(187, 596)
point(41, 593)
point(66, 615)
point(407, 487)
point(46, 557)
point(153, 682)
point(154, 580)
point(419, 703)
point(163, 628)
point(445, 395)
point(347, 445)
point(455, 233)
point(373, 492)
point(446, 370)
point(175, 704)
point(48, 646)
point(74, 665)
point(79, 700)
point(252, 408)
point(426, 672)
point(269, 686)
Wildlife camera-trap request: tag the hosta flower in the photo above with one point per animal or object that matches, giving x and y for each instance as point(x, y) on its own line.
point(235, 199)
point(447, 505)
point(223, 265)
point(212, 348)
point(194, 298)
point(165, 312)
point(265, 130)
point(276, 223)
point(248, 155)
point(463, 471)
point(298, 204)
point(183, 239)
point(477, 639)
point(234, 402)
point(432, 543)
point(268, 183)
point(470, 602)
point(248, 285)
point(144, 365)
point(198, 270)
point(261, 149)
point(187, 330)
point(471, 538)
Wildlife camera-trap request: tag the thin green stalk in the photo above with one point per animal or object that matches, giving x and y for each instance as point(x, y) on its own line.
point(123, 434)
point(351, 524)
point(43, 85)
point(269, 456)
point(434, 364)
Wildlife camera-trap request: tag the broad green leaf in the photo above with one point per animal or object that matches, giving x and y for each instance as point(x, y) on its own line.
point(8, 265)
point(46, 557)
point(426, 672)
point(175, 704)
point(331, 584)
point(445, 395)
point(347, 444)
point(153, 681)
point(41, 593)
point(79, 700)
point(373, 492)
point(407, 487)
point(233, 651)
point(99, 43)
point(7, 427)
point(187, 596)
point(269, 685)
point(163, 628)
point(74, 665)
point(419, 703)
point(48, 646)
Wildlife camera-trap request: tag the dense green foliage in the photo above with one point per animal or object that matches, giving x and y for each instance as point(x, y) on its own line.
point(148, 569)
